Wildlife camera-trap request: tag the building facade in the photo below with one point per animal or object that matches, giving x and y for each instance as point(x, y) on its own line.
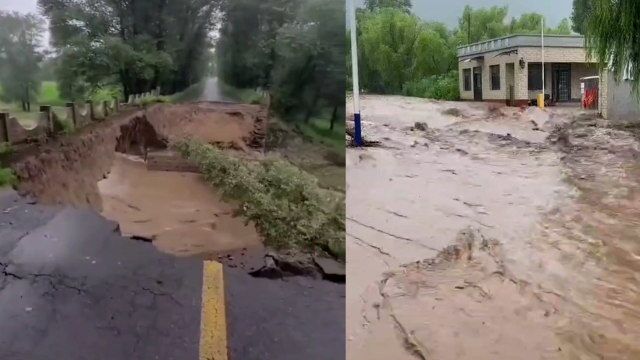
point(509, 69)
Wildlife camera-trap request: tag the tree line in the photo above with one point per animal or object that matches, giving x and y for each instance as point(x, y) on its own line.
point(292, 48)
point(399, 53)
point(138, 45)
point(20, 56)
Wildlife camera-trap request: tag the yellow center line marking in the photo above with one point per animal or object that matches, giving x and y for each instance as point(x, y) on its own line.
point(213, 323)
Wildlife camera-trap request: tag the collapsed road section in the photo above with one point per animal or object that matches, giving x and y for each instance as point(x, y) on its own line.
point(123, 169)
point(67, 249)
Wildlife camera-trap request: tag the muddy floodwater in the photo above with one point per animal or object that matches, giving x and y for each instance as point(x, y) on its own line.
point(502, 233)
point(177, 211)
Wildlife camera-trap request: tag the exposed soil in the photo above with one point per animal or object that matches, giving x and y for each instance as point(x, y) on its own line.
point(543, 209)
point(103, 167)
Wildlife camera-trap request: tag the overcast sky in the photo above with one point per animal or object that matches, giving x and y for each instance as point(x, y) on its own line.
point(23, 6)
point(448, 11)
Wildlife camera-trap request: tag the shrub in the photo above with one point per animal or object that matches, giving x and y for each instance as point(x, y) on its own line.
point(288, 207)
point(154, 100)
point(6, 148)
point(7, 177)
point(440, 87)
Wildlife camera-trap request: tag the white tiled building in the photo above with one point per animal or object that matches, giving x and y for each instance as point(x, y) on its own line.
point(509, 69)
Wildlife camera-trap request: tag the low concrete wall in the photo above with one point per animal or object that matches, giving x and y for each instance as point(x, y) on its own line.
point(50, 123)
point(622, 105)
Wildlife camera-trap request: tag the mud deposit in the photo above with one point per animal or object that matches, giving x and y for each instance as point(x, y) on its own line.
point(502, 234)
point(103, 167)
point(179, 212)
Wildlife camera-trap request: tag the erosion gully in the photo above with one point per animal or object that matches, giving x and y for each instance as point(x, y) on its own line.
point(123, 169)
point(504, 233)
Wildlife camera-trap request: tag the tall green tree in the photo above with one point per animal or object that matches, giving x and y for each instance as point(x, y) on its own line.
point(137, 44)
point(613, 37)
point(294, 48)
point(247, 45)
point(481, 24)
point(404, 5)
point(531, 23)
point(400, 47)
point(20, 56)
point(581, 11)
point(310, 74)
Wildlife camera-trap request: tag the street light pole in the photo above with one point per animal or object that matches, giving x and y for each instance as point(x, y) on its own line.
point(354, 66)
point(542, 39)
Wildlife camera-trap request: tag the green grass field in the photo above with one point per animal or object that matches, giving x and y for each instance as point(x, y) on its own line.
point(48, 95)
point(318, 130)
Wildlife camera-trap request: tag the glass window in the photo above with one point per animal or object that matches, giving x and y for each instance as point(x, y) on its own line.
point(535, 76)
point(466, 73)
point(494, 70)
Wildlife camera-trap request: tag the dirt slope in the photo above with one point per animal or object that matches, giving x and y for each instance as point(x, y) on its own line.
point(67, 170)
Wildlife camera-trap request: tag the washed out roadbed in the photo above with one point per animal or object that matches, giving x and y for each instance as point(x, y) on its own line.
point(130, 169)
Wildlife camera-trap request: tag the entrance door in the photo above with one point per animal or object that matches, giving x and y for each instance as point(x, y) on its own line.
point(477, 83)
point(562, 82)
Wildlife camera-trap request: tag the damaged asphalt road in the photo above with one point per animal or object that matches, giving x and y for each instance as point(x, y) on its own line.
point(71, 287)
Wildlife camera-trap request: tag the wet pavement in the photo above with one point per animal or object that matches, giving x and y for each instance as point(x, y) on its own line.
point(72, 287)
point(543, 226)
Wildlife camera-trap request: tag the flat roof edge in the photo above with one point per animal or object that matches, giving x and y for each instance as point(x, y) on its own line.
point(517, 35)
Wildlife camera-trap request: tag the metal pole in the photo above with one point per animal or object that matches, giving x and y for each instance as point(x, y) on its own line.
point(542, 32)
point(354, 66)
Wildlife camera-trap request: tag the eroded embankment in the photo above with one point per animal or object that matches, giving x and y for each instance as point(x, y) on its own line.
point(105, 167)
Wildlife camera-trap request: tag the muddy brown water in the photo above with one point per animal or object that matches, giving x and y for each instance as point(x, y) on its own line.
point(559, 279)
point(178, 211)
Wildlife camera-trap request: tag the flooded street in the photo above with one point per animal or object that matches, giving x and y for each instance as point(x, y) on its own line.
point(520, 237)
point(178, 211)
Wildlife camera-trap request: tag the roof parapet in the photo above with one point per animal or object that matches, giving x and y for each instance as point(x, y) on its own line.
point(521, 40)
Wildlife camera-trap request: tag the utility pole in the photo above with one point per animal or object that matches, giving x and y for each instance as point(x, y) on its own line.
point(354, 67)
point(542, 42)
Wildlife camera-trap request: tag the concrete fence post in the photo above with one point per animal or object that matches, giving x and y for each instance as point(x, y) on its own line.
point(46, 109)
point(92, 115)
point(116, 104)
point(71, 114)
point(4, 128)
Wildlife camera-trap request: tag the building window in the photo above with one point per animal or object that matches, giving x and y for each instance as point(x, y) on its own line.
point(466, 73)
point(494, 70)
point(535, 76)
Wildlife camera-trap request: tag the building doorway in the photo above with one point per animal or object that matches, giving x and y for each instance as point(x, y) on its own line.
point(510, 81)
point(477, 83)
point(561, 80)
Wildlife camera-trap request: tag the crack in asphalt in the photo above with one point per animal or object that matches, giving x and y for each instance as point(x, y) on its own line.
point(155, 293)
point(54, 284)
point(9, 274)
